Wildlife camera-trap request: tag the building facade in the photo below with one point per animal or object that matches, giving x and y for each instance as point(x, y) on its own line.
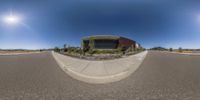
point(108, 42)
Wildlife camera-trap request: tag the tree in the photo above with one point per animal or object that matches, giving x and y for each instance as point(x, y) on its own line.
point(170, 49)
point(56, 49)
point(180, 49)
point(65, 48)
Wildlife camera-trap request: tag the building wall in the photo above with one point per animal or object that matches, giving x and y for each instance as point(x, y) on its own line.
point(126, 43)
point(109, 43)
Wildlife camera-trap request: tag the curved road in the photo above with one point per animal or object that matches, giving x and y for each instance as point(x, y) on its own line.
point(162, 76)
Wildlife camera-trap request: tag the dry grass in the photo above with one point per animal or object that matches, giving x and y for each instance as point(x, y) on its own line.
point(193, 52)
point(4, 52)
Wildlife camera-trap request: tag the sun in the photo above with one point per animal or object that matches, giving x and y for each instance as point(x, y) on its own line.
point(11, 19)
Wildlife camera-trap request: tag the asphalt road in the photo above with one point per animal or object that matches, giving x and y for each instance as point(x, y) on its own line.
point(162, 76)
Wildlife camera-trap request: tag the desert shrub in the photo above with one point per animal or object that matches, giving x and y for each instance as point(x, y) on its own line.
point(56, 49)
point(141, 49)
point(78, 50)
point(114, 51)
point(73, 50)
point(91, 51)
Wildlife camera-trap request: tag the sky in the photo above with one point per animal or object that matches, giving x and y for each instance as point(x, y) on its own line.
point(50, 23)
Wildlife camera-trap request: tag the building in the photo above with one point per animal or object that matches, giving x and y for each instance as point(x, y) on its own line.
point(108, 42)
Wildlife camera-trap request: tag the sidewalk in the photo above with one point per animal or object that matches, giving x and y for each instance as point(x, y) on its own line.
point(99, 71)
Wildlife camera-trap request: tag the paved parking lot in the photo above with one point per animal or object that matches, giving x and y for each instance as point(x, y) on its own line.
point(162, 76)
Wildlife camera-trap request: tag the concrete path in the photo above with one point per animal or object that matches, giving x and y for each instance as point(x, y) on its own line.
point(99, 71)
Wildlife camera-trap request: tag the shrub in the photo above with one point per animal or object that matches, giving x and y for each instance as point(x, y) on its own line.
point(170, 49)
point(114, 51)
point(65, 48)
point(56, 49)
point(180, 49)
point(73, 50)
point(91, 51)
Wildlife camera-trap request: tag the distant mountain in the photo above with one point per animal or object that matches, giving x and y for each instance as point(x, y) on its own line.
point(159, 48)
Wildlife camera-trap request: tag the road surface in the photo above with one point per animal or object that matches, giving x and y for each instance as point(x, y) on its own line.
point(162, 76)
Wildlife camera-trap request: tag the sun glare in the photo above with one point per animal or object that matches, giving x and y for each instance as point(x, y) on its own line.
point(198, 18)
point(11, 19)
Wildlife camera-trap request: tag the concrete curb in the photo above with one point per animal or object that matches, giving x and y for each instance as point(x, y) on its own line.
point(99, 79)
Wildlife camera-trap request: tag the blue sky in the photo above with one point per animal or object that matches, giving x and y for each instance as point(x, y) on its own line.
point(50, 23)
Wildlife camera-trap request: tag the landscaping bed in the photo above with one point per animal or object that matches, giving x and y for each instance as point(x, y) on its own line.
point(100, 56)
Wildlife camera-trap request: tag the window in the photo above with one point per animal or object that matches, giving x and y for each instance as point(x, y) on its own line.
point(106, 44)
